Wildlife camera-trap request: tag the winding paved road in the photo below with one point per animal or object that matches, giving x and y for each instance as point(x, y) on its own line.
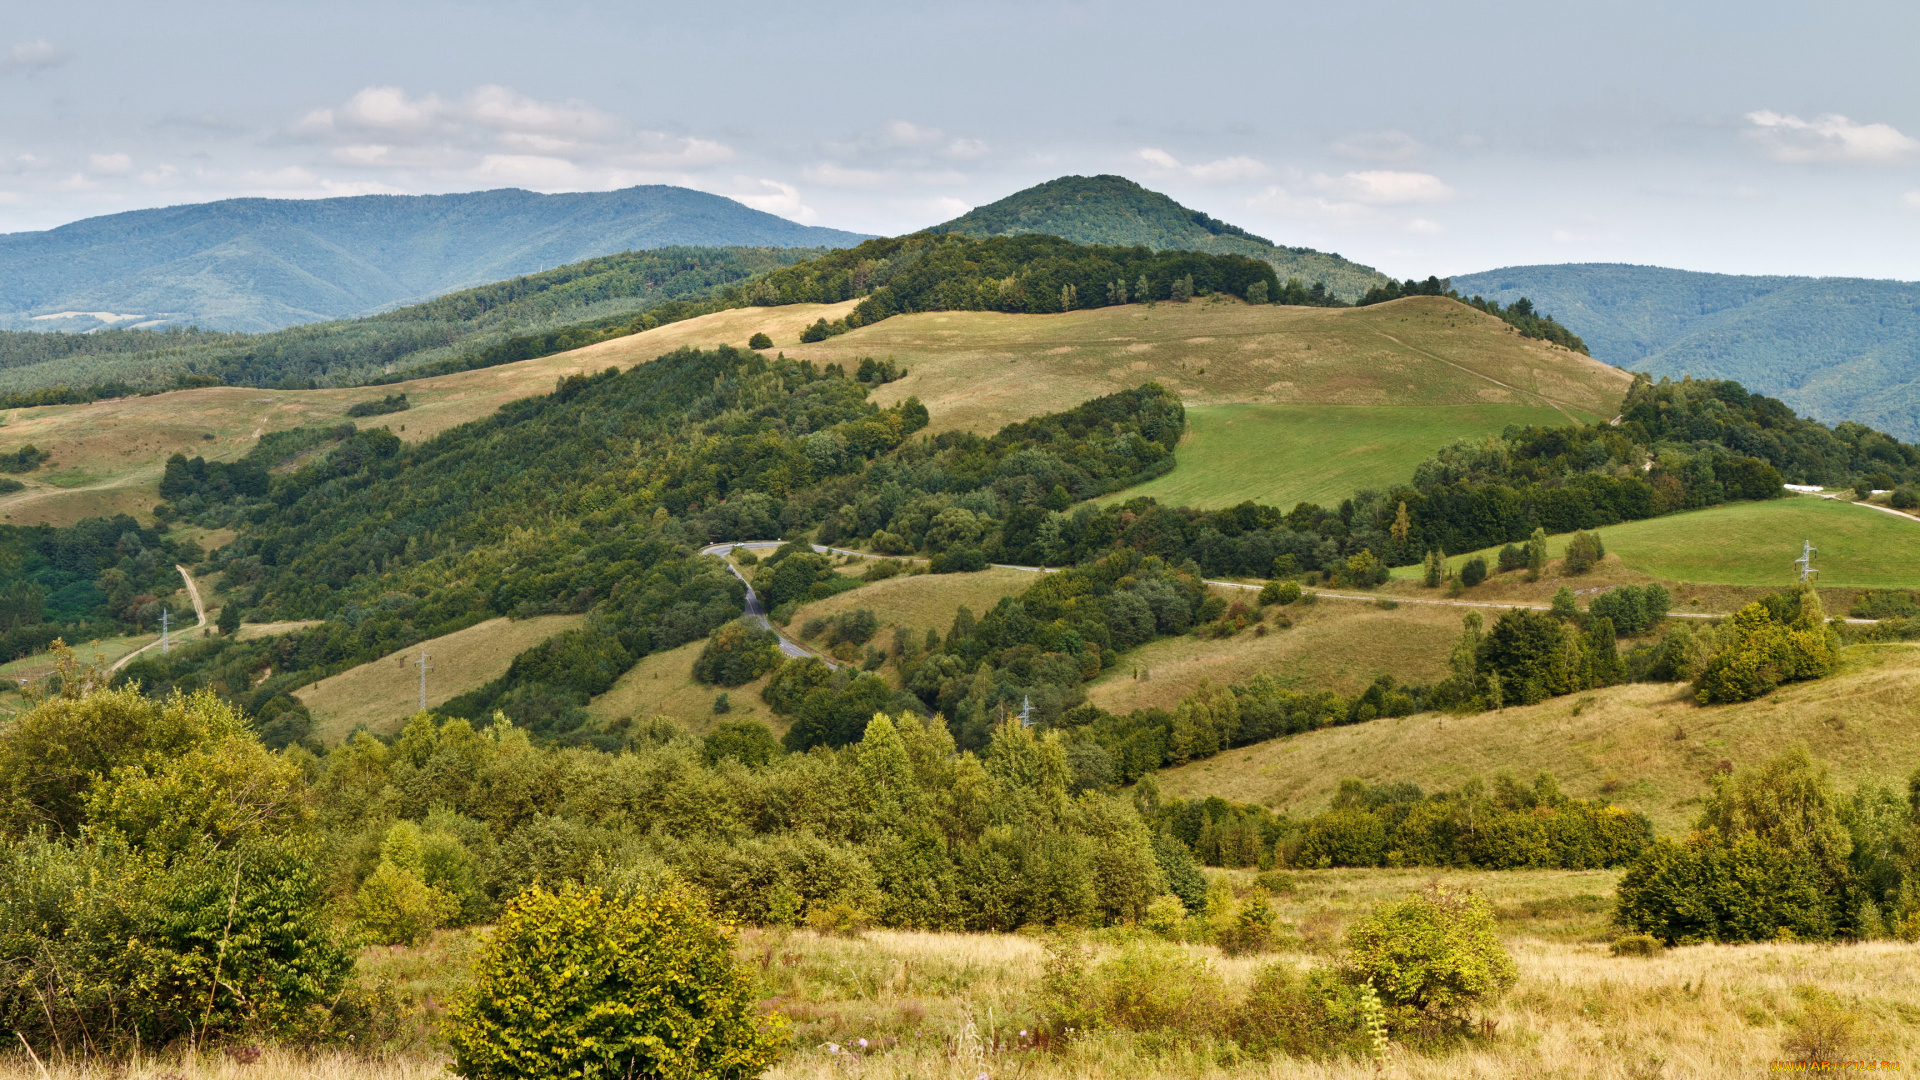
point(758, 611)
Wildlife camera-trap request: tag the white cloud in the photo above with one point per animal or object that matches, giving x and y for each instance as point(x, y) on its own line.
point(1227, 170)
point(1424, 227)
point(1911, 200)
point(31, 56)
point(773, 197)
point(966, 149)
point(1378, 146)
point(1223, 170)
point(1382, 187)
point(1314, 207)
point(1830, 137)
point(529, 170)
point(831, 175)
point(908, 133)
point(494, 134)
point(111, 163)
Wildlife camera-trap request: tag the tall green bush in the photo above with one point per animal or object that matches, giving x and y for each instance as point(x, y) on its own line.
point(1768, 858)
point(579, 983)
point(1434, 958)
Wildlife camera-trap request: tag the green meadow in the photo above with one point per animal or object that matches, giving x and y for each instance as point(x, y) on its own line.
point(1755, 543)
point(1280, 455)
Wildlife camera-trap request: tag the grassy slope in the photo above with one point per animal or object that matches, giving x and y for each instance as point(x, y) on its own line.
point(1647, 744)
point(1339, 645)
point(923, 602)
point(108, 456)
point(381, 694)
point(663, 685)
point(1407, 377)
point(978, 371)
point(1237, 452)
point(1755, 543)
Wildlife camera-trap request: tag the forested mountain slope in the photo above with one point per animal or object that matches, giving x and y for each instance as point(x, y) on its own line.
point(1115, 210)
point(1835, 349)
point(261, 264)
point(526, 316)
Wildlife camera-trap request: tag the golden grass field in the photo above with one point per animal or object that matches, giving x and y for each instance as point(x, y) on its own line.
point(662, 685)
point(936, 1005)
point(1340, 645)
point(979, 371)
point(1645, 745)
point(920, 602)
point(108, 456)
point(380, 694)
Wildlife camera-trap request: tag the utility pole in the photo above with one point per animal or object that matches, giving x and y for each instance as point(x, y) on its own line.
point(165, 645)
point(1805, 561)
point(423, 679)
point(1026, 710)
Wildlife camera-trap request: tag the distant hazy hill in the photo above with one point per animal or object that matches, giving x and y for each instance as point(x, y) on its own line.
point(1115, 210)
point(1833, 348)
point(261, 264)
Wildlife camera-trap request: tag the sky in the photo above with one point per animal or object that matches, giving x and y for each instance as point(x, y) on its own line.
point(1420, 138)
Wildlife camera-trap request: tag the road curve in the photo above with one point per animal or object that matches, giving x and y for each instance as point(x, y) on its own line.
point(756, 611)
point(199, 611)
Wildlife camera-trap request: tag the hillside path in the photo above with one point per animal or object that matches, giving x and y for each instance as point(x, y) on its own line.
point(1901, 514)
point(199, 611)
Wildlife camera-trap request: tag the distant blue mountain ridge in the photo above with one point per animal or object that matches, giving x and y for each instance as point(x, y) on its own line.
point(263, 264)
point(1832, 348)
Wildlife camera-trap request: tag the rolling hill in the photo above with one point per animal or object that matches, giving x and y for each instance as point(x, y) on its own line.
point(1401, 378)
point(1284, 403)
point(1645, 746)
point(1115, 210)
point(262, 264)
point(1832, 348)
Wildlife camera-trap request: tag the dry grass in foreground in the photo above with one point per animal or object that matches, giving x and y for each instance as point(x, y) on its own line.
point(932, 1005)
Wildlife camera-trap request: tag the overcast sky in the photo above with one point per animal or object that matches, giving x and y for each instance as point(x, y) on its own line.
point(1751, 137)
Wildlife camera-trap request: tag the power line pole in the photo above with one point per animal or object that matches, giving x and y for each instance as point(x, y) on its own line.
point(1805, 561)
point(423, 679)
point(165, 645)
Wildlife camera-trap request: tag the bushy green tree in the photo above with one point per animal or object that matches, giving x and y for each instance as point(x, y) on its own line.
point(579, 983)
point(1584, 552)
point(737, 653)
point(1762, 647)
point(1433, 957)
point(1767, 858)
